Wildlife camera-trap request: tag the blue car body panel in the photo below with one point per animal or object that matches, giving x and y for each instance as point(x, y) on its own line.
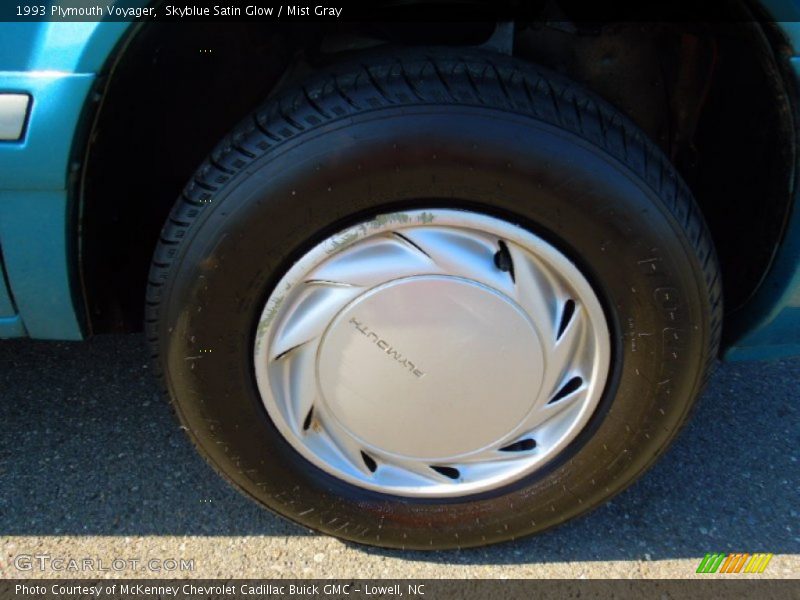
point(10, 322)
point(58, 63)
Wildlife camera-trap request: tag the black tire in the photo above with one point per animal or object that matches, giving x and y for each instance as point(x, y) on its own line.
point(421, 129)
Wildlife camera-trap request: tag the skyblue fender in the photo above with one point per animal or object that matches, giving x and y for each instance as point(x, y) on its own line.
point(56, 64)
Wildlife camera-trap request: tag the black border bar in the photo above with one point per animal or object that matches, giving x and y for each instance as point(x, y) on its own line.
point(408, 589)
point(429, 11)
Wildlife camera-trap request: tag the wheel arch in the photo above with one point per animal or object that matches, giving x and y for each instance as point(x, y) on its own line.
point(204, 74)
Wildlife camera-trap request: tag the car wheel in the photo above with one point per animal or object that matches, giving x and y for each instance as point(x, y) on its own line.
point(434, 300)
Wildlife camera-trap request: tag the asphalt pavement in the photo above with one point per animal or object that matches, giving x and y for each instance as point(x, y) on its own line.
point(93, 465)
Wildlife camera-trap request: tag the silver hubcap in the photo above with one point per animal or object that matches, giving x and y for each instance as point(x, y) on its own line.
point(432, 353)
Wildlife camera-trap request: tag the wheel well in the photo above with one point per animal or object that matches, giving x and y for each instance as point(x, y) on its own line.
point(714, 97)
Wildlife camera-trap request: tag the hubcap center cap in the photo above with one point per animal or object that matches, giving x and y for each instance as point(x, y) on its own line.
point(430, 367)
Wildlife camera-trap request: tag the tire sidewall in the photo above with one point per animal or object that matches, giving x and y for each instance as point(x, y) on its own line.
point(587, 203)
